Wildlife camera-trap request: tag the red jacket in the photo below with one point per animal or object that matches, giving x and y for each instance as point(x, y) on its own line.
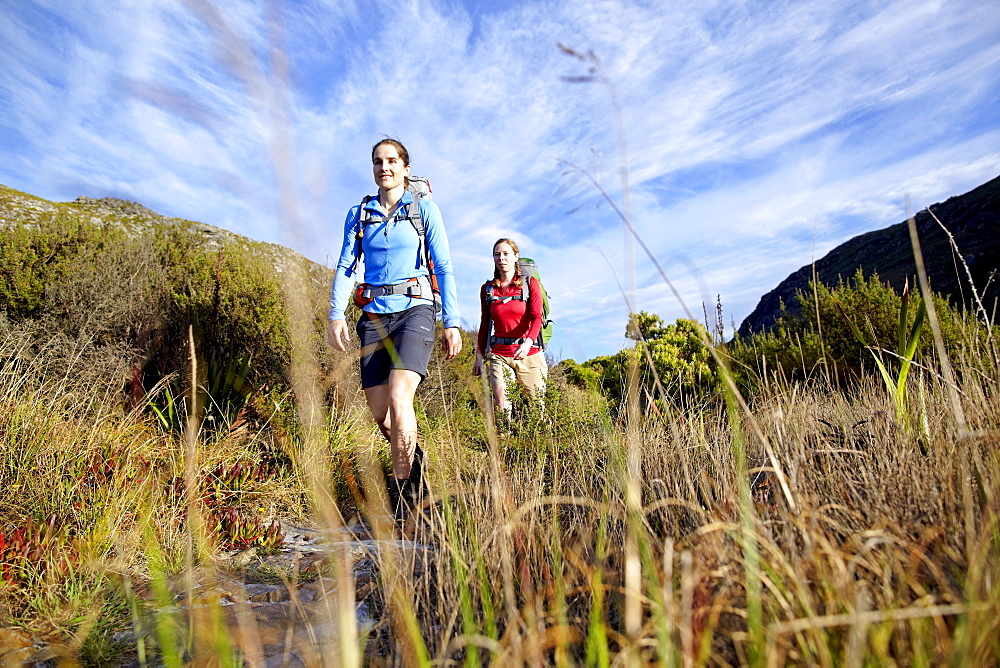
point(511, 318)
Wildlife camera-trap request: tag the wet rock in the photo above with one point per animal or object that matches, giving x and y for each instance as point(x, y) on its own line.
point(290, 608)
point(18, 649)
point(258, 593)
point(298, 621)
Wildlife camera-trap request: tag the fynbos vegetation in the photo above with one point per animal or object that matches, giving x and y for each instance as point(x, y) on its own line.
point(772, 503)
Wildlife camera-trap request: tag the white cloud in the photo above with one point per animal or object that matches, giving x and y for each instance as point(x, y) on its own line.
point(750, 128)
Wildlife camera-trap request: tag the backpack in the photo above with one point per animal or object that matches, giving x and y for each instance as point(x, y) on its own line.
point(529, 270)
point(418, 187)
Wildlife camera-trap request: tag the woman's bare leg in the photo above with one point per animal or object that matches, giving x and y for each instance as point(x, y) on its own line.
point(500, 397)
point(391, 405)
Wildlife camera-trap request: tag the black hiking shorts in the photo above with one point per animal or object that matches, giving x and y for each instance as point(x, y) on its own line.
point(389, 341)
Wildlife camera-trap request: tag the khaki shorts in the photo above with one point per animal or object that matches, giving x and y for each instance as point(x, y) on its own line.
point(530, 372)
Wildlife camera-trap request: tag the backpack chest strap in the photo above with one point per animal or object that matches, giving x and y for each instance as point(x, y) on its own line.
point(491, 296)
point(503, 300)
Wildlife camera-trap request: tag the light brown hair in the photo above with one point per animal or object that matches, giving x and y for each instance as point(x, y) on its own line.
point(517, 265)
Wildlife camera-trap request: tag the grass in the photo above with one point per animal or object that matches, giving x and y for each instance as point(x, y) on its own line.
point(805, 523)
point(553, 547)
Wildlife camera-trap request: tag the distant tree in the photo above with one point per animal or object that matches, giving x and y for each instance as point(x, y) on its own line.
point(672, 357)
point(644, 326)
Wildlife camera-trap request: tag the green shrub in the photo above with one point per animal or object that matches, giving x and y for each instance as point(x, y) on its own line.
point(874, 307)
point(35, 258)
point(673, 362)
point(795, 349)
point(142, 290)
point(582, 376)
point(232, 301)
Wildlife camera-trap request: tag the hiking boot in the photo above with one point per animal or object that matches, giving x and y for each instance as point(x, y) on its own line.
point(417, 487)
point(405, 493)
point(401, 499)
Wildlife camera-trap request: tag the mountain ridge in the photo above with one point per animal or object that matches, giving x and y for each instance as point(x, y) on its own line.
point(973, 220)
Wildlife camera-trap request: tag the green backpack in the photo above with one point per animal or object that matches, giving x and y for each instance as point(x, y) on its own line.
point(530, 269)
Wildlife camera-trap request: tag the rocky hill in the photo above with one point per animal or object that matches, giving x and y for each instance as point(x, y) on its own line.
point(973, 220)
point(21, 209)
point(140, 288)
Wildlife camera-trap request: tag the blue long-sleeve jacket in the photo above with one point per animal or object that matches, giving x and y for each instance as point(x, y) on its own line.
point(392, 255)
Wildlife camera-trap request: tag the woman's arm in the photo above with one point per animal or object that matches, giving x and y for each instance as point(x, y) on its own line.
point(484, 331)
point(484, 322)
point(343, 281)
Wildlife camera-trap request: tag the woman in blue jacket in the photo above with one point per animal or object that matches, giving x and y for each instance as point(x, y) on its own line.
point(396, 328)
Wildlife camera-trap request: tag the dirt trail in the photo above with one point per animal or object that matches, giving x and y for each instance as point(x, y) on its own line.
point(289, 608)
point(284, 609)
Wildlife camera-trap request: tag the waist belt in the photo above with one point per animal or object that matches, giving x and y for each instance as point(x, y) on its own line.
point(419, 287)
point(506, 340)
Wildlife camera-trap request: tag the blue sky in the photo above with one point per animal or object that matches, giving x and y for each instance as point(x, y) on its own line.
point(759, 135)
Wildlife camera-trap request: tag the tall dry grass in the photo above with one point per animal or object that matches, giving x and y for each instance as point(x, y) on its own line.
point(872, 560)
point(880, 547)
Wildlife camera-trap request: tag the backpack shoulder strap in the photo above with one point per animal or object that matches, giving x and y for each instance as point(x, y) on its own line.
point(490, 294)
point(414, 215)
point(417, 220)
point(364, 217)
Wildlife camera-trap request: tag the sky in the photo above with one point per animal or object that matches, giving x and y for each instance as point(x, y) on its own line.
point(743, 139)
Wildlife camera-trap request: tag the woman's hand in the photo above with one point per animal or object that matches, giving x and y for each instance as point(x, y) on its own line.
point(523, 350)
point(451, 342)
point(337, 334)
point(477, 366)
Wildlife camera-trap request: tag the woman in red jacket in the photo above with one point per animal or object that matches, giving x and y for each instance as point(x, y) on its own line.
point(513, 347)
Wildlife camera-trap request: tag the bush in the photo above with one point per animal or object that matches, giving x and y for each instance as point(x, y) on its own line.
point(800, 344)
point(232, 300)
point(140, 288)
point(673, 361)
point(36, 260)
point(582, 376)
